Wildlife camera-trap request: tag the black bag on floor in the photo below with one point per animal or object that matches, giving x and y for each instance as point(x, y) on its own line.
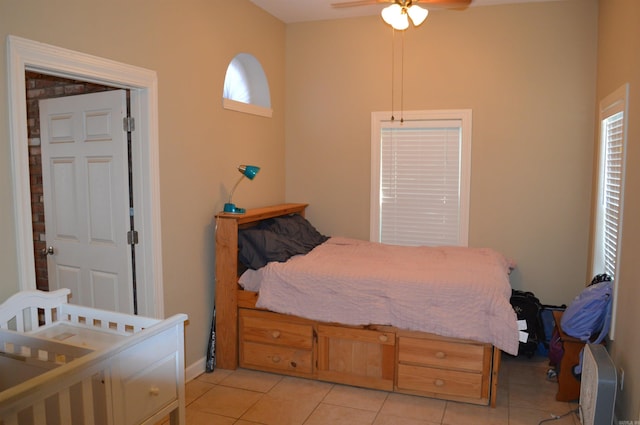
point(527, 308)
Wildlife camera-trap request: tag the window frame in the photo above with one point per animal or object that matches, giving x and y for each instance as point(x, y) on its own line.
point(245, 88)
point(613, 104)
point(380, 120)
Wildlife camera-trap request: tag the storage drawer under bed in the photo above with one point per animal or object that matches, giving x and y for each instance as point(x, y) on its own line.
point(270, 343)
point(265, 327)
point(443, 367)
point(441, 354)
point(439, 381)
point(281, 358)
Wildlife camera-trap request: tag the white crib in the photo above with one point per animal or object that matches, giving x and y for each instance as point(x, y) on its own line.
point(63, 364)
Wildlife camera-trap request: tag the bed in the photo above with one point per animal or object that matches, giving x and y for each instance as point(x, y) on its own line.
point(62, 364)
point(306, 305)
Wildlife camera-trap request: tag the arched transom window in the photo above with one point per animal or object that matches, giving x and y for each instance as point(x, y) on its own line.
point(245, 86)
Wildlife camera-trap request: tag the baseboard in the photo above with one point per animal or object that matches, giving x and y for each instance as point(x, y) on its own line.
point(195, 369)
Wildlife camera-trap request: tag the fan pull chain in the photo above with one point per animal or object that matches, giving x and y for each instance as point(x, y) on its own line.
point(393, 60)
point(402, 82)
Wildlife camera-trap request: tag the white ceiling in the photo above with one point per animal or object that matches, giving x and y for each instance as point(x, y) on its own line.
point(290, 11)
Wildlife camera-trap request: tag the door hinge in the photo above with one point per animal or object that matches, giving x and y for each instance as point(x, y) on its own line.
point(132, 237)
point(128, 124)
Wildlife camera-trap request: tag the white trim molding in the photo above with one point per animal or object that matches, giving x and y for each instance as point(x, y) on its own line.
point(247, 108)
point(26, 55)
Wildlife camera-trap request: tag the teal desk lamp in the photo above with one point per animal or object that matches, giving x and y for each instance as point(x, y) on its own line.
point(248, 171)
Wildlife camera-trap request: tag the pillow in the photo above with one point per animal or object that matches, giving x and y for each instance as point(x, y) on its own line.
point(257, 247)
point(297, 228)
point(277, 239)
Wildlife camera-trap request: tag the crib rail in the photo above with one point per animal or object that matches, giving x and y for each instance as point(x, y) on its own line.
point(38, 352)
point(48, 400)
point(109, 321)
point(30, 311)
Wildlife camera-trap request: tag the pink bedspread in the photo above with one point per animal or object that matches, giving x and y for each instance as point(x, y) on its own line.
point(449, 291)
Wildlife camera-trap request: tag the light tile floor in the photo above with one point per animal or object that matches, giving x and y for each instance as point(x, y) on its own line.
point(244, 397)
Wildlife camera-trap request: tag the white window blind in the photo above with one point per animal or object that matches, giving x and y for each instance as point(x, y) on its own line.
point(420, 171)
point(612, 194)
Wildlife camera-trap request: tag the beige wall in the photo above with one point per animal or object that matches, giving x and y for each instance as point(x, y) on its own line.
point(8, 259)
point(528, 73)
point(619, 63)
point(189, 44)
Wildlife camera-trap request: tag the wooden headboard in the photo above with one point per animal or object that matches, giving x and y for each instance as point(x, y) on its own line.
point(226, 301)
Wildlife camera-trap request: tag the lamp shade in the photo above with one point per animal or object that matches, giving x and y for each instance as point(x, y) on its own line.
point(396, 16)
point(249, 171)
point(417, 14)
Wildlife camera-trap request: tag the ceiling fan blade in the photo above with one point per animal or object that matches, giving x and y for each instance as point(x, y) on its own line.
point(443, 3)
point(355, 3)
point(426, 3)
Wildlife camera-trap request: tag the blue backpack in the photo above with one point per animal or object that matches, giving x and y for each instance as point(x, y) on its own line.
point(589, 314)
point(588, 317)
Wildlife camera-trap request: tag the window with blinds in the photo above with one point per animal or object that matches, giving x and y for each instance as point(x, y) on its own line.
point(420, 178)
point(613, 136)
point(610, 190)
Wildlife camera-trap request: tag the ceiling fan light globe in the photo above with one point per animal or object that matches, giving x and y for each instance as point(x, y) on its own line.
point(395, 16)
point(401, 23)
point(417, 14)
point(390, 12)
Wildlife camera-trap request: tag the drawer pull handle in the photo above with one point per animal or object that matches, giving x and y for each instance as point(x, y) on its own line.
point(275, 334)
point(275, 359)
point(383, 338)
point(155, 391)
point(294, 364)
point(441, 355)
point(438, 383)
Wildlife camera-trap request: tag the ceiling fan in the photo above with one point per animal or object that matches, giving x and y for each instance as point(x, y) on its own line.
point(407, 3)
point(397, 14)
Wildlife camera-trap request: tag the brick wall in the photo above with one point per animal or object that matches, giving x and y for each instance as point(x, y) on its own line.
point(41, 86)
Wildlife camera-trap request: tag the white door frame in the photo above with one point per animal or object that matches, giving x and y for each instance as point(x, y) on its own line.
point(26, 55)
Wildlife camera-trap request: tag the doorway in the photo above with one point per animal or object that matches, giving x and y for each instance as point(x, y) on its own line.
point(25, 55)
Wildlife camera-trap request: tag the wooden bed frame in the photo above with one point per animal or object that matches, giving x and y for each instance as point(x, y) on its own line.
point(378, 357)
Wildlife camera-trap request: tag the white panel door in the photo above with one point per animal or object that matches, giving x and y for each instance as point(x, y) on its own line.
point(86, 198)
